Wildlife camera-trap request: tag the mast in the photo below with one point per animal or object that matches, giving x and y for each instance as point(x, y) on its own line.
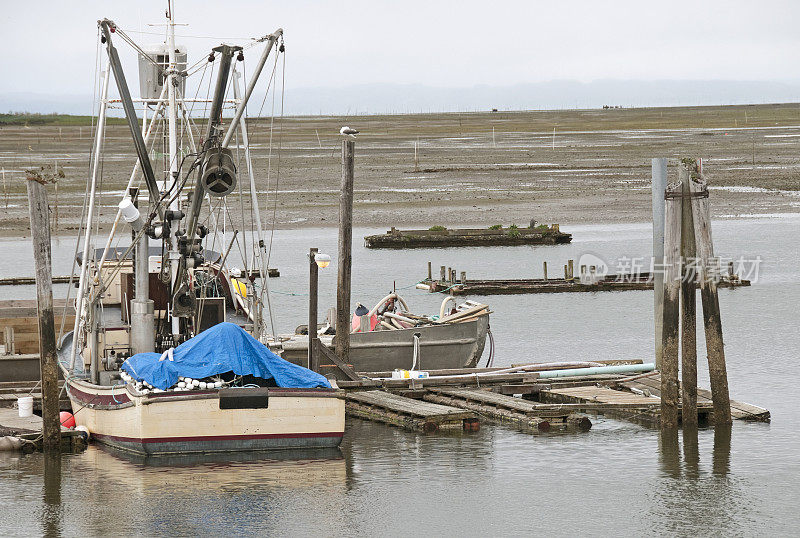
point(87, 236)
point(172, 120)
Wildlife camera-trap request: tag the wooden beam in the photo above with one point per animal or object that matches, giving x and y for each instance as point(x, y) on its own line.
point(321, 350)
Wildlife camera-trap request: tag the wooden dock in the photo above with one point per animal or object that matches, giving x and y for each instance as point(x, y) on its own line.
point(521, 399)
point(641, 281)
point(637, 400)
point(438, 236)
point(407, 413)
point(29, 430)
point(10, 391)
point(520, 413)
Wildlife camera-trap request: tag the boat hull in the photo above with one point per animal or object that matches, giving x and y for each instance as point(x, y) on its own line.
point(454, 345)
point(192, 422)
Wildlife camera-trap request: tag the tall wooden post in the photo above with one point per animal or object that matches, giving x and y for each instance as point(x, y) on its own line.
point(430, 274)
point(48, 360)
point(313, 286)
point(345, 250)
point(544, 269)
point(717, 369)
point(688, 308)
point(659, 176)
point(672, 285)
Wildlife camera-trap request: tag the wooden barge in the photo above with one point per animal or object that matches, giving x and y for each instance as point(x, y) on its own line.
point(439, 236)
point(641, 281)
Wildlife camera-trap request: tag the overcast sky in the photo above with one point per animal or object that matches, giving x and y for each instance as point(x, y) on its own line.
point(50, 47)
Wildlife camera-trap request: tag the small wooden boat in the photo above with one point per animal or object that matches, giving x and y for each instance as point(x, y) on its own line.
point(387, 341)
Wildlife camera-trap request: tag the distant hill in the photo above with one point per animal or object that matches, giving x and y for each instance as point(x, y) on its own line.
point(396, 98)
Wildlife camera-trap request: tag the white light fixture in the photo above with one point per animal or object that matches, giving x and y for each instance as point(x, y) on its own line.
point(323, 260)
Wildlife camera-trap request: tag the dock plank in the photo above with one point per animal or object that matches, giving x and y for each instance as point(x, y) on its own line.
point(408, 406)
point(530, 416)
point(739, 410)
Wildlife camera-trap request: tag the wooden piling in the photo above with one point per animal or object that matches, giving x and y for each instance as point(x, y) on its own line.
point(48, 360)
point(430, 274)
point(571, 266)
point(345, 250)
point(544, 269)
point(566, 272)
point(672, 284)
point(708, 292)
point(688, 309)
point(313, 286)
point(463, 277)
point(442, 275)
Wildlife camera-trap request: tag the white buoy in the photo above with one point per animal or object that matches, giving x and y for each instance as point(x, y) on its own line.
point(181, 384)
point(202, 385)
point(195, 382)
point(217, 384)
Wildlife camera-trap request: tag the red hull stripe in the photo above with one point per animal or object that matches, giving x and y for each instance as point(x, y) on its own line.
point(216, 437)
point(118, 398)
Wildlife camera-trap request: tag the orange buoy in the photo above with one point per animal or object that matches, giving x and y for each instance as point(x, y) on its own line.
point(67, 419)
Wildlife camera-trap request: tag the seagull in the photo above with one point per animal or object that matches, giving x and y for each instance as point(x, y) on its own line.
point(348, 131)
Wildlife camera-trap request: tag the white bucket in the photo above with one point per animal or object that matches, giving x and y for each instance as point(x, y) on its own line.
point(25, 405)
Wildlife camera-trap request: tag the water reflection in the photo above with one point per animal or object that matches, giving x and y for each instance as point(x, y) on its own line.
point(722, 450)
point(691, 451)
point(690, 497)
point(198, 494)
point(670, 453)
point(52, 511)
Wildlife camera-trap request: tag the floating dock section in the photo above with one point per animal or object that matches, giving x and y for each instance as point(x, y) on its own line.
point(409, 413)
point(530, 401)
point(439, 236)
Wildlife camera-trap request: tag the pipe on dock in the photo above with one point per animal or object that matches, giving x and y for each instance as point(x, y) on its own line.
point(598, 370)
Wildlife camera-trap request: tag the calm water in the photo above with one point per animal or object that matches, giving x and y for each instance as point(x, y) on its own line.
point(617, 479)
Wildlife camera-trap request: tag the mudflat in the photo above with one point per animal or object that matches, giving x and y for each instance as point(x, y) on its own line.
point(476, 168)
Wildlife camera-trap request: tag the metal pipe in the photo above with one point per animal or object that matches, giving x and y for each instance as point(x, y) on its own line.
point(98, 147)
point(597, 370)
point(250, 86)
point(659, 174)
point(171, 182)
point(142, 307)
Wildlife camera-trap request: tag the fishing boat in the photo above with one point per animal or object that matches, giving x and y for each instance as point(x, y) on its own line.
point(167, 352)
point(390, 337)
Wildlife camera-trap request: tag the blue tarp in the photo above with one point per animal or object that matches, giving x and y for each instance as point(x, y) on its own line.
point(222, 348)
